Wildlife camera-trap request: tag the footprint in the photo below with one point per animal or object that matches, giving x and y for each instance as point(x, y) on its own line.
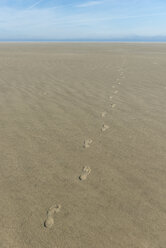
point(87, 143)
point(49, 222)
point(104, 127)
point(103, 114)
point(85, 172)
point(116, 91)
point(113, 105)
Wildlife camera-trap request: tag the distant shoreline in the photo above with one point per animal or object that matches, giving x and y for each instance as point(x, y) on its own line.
point(62, 41)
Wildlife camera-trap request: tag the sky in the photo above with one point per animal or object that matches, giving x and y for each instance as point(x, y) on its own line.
point(82, 20)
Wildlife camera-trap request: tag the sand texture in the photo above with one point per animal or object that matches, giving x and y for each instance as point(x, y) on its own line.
point(55, 99)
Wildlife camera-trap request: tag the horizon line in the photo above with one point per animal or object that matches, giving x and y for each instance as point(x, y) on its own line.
point(84, 40)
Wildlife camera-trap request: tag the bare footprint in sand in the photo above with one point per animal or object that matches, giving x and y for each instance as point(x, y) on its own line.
point(85, 172)
point(103, 114)
point(116, 91)
point(49, 222)
point(87, 143)
point(104, 127)
point(113, 105)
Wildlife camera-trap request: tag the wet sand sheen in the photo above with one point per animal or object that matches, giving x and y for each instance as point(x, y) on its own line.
point(55, 99)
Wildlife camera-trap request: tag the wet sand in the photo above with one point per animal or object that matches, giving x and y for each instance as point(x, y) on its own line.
point(82, 130)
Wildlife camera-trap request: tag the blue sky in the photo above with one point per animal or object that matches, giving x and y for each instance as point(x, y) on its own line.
point(82, 20)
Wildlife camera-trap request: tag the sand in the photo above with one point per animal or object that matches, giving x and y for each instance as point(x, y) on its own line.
point(52, 96)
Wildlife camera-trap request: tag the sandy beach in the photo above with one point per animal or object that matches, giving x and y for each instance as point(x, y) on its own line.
point(83, 145)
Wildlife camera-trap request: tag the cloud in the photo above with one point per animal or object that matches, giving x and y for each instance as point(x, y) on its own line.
point(60, 22)
point(138, 16)
point(35, 4)
point(89, 4)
